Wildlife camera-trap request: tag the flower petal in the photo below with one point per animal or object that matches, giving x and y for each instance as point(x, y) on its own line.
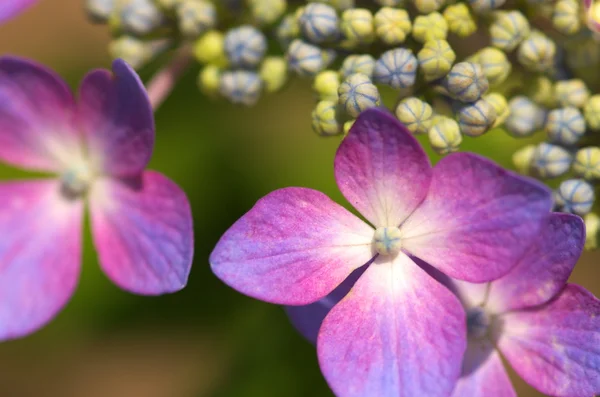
point(40, 254)
point(293, 248)
point(143, 233)
point(544, 269)
point(381, 169)
point(556, 347)
point(477, 220)
point(483, 373)
point(397, 333)
point(11, 8)
point(116, 115)
point(36, 117)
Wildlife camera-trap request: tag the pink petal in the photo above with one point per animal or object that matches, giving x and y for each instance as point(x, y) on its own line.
point(11, 8)
point(116, 115)
point(40, 254)
point(36, 117)
point(556, 347)
point(477, 220)
point(143, 233)
point(397, 333)
point(293, 248)
point(483, 373)
point(381, 169)
point(544, 269)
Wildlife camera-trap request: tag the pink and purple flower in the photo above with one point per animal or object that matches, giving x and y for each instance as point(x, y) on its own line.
point(11, 8)
point(98, 148)
point(398, 331)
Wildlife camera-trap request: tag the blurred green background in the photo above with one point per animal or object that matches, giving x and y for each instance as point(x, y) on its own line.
point(207, 340)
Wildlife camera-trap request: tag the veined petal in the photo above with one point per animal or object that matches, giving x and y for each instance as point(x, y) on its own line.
point(483, 373)
point(143, 233)
point(544, 269)
point(477, 220)
point(11, 8)
point(381, 169)
point(397, 333)
point(556, 347)
point(293, 248)
point(36, 117)
point(116, 115)
point(40, 254)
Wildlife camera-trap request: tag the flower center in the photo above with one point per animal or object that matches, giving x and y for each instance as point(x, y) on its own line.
point(478, 323)
point(76, 181)
point(386, 240)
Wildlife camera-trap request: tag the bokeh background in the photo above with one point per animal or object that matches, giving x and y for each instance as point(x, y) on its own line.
point(207, 340)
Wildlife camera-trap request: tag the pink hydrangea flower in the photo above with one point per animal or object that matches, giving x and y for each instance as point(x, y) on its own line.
point(398, 332)
point(98, 148)
point(11, 8)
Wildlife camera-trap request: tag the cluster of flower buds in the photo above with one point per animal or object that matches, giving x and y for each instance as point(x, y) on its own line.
point(449, 69)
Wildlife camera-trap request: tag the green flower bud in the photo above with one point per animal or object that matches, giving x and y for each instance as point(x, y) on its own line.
point(459, 19)
point(572, 93)
point(541, 91)
point(99, 11)
point(591, 111)
point(509, 29)
point(415, 114)
point(136, 52)
point(319, 23)
point(565, 17)
point(475, 119)
point(430, 27)
point(305, 59)
point(137, 17)
point(209, 80)
point(496, 66)
point(428, 6)
point(537, 53)
point(210, 48)
point(500, 105)
point(358, 64)
point(436, 59)
point(273, 72)
point(392, 25)
point(523, 159)
point(266, 12)
point(396, 68)
point(195, 17)
point(245, 46)
point(348, 125)
point(551, 161)
point(587, 163)
point(592, 225)
point(466, 82)
point(326, 85)
point(287, 30)
point(565, 126)
point(240, 87)
point(525, 117)
point(444, 135)
point(357, 25)
point(575, 196)
point(358, 93)
point(324, 119)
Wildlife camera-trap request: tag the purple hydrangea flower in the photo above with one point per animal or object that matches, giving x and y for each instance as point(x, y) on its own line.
point(398, 331)
point(11, 8)
point(98, 147)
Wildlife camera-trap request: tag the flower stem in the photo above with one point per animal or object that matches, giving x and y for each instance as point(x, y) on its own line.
point(161, 85)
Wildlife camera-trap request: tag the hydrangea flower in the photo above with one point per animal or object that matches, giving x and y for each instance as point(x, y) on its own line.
point(11, 8)
point(399, 331)
point(98, 148)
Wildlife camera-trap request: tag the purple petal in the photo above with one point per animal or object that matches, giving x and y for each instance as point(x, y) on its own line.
point(116, 115)
point(483, 373)
point(143, 233)
point(381, 169)
point(397, 333)
point(307, 319)
point(544, 269)
point(37, 128)
point(40, 254)
point(11, 8)
point(477, 220)
point(556, 347)
point(293, 248)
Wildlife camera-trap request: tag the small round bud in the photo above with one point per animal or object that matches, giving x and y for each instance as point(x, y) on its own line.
point(210, 48)
point(466, 82)
point(591, 111)
point(565, 17)
point(357, 25)
point(444, 135)
point(475, 119)
point(273, 72)
point(592, 226)
point(326, 85)
point(483, 6)
point(348, 125)
point(428, 6)
point(415, 114)
point(358, 64)
point(459, 19)
point(136, 52)
point(139, 17)
point(525, 117)
point(358, 93)
point(551, 161)
point(319, 23)
point(500, 105)
point(209, 80)
point(537, 53)
point(195, 17)
point(572, 93)
point(325, 120)
point(99, 11)
point(575, 196)
point(565, 126)
point(305, 59)
point(245, 46)
point(396, 68)
point(430, 27)
point(496, 66)
point(541, 91)
point(240, 87)
point(392, 25)
point(436, 59)
point(266, 12)
point(523, 159)
point(587, 163)
point(287, 30)
point(509, 29)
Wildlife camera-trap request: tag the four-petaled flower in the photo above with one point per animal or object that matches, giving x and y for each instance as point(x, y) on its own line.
point(11, 8)
point(99, 147)
point(398, 332)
